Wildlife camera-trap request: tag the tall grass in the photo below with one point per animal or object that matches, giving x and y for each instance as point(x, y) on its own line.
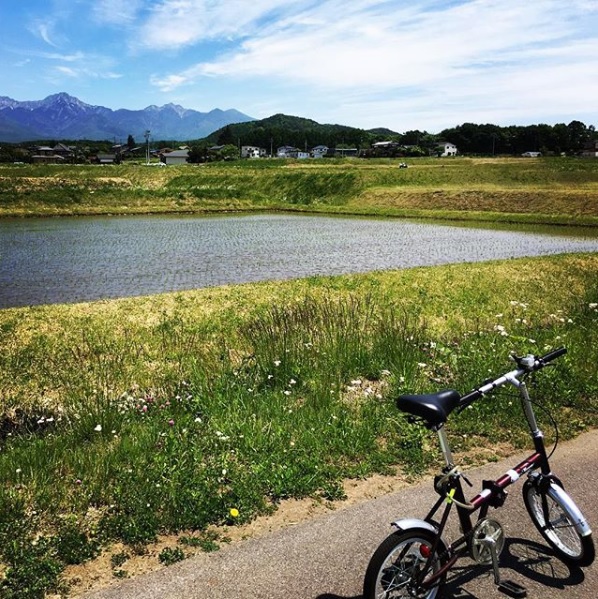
point(121, 424)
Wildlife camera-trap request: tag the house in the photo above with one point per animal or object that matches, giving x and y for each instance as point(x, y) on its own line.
point(344, 152)
point(125, 151)
point(64, 151)
point(106, 159)
point(383, 145)
point(287, 152)
point(590, 149)
point(445, 148)
point(45, 155)
point(384, 149)
point(319, 151)
point(176, 157)
point(252, 152)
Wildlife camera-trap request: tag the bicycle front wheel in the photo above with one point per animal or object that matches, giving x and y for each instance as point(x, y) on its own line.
point(558, 527)
point(397, 567)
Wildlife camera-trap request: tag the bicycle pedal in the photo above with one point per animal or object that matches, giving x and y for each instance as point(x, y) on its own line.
point(513, 589)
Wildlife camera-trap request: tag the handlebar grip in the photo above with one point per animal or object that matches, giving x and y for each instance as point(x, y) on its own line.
point(553, 355)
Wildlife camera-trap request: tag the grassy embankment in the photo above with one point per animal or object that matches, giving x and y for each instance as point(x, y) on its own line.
point(126, 419)
point(552, 191)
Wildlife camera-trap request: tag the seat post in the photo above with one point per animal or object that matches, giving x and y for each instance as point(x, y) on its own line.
point(445, 447)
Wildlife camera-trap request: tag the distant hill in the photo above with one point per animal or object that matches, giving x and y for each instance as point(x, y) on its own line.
point(281, 129)
point(62, 116)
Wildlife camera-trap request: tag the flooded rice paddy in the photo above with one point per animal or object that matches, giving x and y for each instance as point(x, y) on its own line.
point(67, 260)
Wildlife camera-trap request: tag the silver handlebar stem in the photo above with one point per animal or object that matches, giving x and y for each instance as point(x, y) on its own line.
point(530, 416)
point(529, 411)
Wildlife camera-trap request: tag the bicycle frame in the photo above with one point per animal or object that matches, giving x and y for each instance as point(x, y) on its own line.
point(493, 494)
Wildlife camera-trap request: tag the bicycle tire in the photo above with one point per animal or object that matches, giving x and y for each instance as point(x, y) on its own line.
point(394, 566)
point(560, 531)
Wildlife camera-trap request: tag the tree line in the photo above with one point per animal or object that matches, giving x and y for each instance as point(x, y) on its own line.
point(470, 138)
point(549, 139)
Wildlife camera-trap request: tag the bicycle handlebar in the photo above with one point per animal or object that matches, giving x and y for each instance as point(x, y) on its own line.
point(553, 355)
point(525, 365)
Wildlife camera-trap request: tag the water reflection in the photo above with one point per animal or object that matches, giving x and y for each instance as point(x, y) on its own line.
point(76, 259)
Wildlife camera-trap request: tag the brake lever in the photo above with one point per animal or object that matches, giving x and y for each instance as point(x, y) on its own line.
point(466, 480)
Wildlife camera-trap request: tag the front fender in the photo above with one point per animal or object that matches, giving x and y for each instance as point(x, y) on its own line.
point(408, 523)
point(574, 513)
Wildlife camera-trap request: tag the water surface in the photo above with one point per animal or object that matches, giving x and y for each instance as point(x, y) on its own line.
point(67, 260)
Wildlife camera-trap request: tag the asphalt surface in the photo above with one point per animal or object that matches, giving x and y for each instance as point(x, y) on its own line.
point(326, 558)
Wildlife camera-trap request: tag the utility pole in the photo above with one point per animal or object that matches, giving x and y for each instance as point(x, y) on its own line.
point(147, 152)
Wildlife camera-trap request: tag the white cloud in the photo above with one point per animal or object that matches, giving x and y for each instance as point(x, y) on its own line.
point(67, 71)
point(116, 12)
point(172, 24)
point(472, 58)
point(168, 83)
point(76, 57)
point(79, 66)
point(45, 31)
point(387, 50)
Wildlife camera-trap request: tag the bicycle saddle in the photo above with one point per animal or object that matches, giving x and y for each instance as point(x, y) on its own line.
point(434, 408)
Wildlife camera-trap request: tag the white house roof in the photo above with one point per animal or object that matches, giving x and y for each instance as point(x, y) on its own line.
point(178, 154)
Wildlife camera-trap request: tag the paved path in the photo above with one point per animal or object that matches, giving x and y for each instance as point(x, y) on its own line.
point(325, 558)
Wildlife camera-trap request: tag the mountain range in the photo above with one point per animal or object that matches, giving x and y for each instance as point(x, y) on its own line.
point(61, 116)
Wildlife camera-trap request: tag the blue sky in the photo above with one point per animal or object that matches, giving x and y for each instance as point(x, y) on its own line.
point(417, 64)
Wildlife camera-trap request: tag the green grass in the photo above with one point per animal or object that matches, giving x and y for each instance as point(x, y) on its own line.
point(550, 190)
point(127, 419)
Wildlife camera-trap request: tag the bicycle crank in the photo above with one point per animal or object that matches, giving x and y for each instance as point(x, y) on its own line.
point(487, 537)
point(486, 543)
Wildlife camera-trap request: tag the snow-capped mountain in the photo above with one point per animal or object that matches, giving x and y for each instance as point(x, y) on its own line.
point(62, 116)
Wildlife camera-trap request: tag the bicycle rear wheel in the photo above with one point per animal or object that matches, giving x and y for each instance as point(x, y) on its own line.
point(396, 567)
point(558, 527)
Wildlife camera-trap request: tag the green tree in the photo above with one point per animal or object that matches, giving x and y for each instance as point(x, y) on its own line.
point(198, 154)
point(229, 152)
point(226, 137)
point(579, 134)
